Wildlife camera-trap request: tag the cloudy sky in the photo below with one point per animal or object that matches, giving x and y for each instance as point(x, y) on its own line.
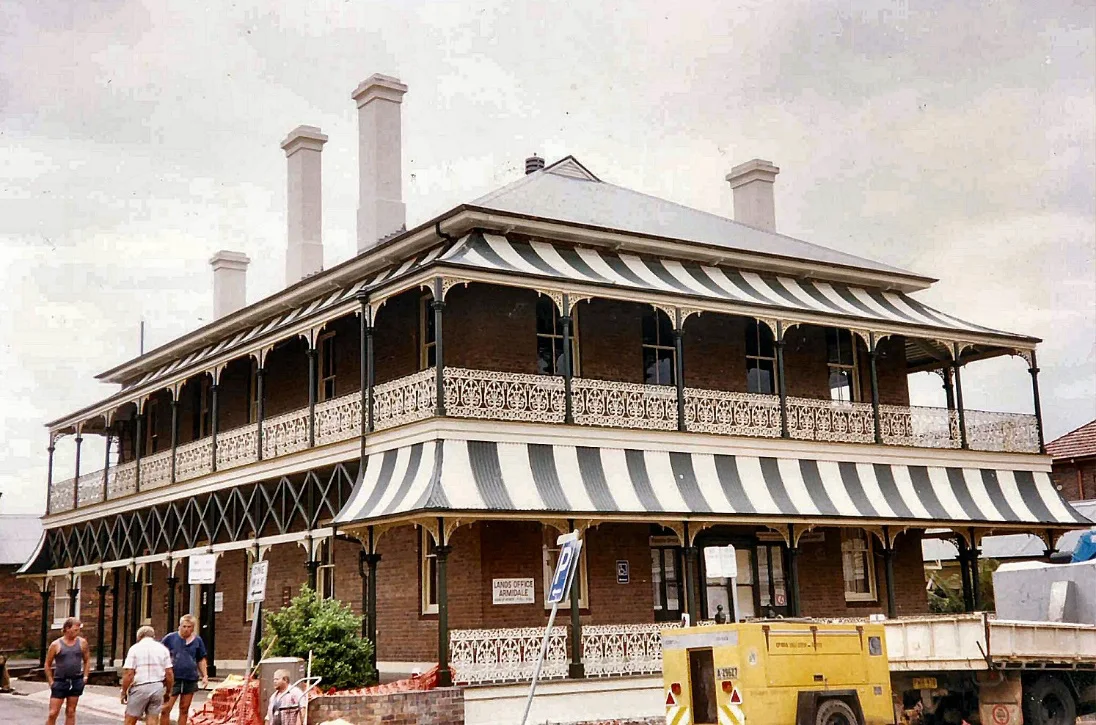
point(954, 139)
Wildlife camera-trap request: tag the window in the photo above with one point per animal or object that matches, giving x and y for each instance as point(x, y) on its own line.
point(326, 348)
point(841, 359)
point(152, 426)
point(550, 339)
point(203, 418)
point(760, 359)
point(325, 573)
point(428, 572)
point(428, 349)
point(666, 578)
point(550, 554)
point(144, 588)
point(857, 565)
point(61, 601)
point(772, 591)
point(659, 361)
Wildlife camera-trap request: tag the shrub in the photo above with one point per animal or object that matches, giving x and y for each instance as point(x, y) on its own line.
point(331, 631)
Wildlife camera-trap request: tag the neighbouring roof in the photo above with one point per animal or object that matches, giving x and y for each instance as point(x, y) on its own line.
point(567, 192)
point(19, 536)
point(1075, 444)
point(1011, 546)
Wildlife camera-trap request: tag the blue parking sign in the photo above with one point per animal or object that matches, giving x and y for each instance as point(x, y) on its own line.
point(570, 548)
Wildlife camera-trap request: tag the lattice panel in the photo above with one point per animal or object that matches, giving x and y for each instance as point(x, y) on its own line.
point(505, 655)
point(504, 396)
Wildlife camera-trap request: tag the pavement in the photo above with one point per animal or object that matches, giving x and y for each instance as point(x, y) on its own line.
point(99, 705)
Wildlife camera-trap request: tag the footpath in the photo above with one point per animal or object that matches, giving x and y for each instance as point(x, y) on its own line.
point(97, 699)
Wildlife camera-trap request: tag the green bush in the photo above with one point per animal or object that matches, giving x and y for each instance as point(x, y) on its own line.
point(331, 631)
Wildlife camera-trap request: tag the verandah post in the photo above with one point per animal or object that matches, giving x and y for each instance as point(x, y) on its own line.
point(568, 362)
point(781, 388)
point(1034, 371)
point(438, 305)
point(76, 480)
point(873, 354)
point(445, 676)
point(793, 572)
point(313, 356)
point(888, 572)
point(956, 364)
point(43, 644)
point(576, 670)
point(100, 623)
point(679, 364)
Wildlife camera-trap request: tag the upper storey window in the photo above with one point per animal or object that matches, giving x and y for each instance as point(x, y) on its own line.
point(550, 339)
point(760, 359)
point(658, 348)
point(841, 361)
point(327, 366)
point(428, 347)
point(152, 428)
point(203, 418)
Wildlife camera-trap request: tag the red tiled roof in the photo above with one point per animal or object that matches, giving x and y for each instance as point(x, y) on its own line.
point(1075, 444)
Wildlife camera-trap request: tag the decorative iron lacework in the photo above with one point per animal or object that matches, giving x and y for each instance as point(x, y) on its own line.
point(156, 470)
point(60, 495)
point(503, 396)
point(237, 446)
point(920, 427)
point(828, 420)
point(1009, 432)
point(505, 655)
point(285, 433)
point(623, 649)
point(193, 459)
point(339, 419)
point(624, 405)
point(122, 480)
point(90, 488)
point(404, 400)
point(729, 413)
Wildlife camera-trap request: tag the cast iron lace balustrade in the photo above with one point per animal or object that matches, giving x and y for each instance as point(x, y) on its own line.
point(339, 419)
point(122, 480)
point(285, 433)
point(830, 420)
point(60, 497)
point(919, 427)
point(623, 649)
point(505, 655)
point(90, 488)
point(193, 459)
point(729, 413)
point(504, 396)
point(1009, 432)
point(236, 447)
point(405, 400)
point(155, 470)
point(624, 405)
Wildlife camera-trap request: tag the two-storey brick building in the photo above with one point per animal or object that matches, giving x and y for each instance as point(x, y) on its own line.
point(410, 430)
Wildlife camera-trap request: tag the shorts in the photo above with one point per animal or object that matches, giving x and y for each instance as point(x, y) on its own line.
point(184, 687)
point(67, 687)
point(145, 700)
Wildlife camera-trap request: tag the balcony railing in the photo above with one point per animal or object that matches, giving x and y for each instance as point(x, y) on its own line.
point(489, 395)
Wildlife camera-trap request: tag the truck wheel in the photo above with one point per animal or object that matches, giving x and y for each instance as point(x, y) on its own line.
point(1049, 702)
point(835, 712)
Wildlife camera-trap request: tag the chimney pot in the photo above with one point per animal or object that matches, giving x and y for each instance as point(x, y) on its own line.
point(752, 185)
point(381, 211)
point(304, 198)
point(229, 282)
point(533, 163)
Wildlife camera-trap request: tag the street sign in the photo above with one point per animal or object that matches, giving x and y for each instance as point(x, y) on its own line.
point(256, 589)
point(623, 573)
point(570, 548)
point(202, 569)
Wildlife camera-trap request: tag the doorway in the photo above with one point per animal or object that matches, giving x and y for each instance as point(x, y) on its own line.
point(759, 588)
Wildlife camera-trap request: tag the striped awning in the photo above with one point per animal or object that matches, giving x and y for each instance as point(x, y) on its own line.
point(602, 267)
point(486, 476)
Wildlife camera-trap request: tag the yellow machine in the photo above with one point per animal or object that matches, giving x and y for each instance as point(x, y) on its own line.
point(779, 672)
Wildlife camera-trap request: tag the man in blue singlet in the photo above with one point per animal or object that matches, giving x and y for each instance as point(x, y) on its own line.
point(67, 671)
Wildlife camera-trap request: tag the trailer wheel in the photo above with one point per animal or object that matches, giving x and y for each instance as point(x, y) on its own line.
point(1049, 702)
point(835, 712)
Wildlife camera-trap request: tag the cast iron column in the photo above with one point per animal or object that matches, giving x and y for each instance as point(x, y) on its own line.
point(260, 409)
point(576, 670)
point(215, 424)
point(956, 364)
point(115, 590)
point(49, 475)
point(975, 583)
point(873, 353)
point(888, 573)
point(781, 389)
point(438, 306)
point(174, 434)
point(365, 342)
point(692, 577)
point(964, 573)
point(445, 677)
point(138, 435)
point(42, 643)
point(125, 612)
point(371, 562)
point(949, 391)
point(679, 369)
point(568, 362)
point(106, 463)
point(793, 573)
point(209, 596)
point(100, 625)
point(313, 355)
point(74, 594)
point(370, 376)
point(1034, 370)
point(76, 480)
point(172, 582)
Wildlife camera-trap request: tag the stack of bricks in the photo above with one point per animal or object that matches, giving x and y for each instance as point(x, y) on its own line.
point(443, 706)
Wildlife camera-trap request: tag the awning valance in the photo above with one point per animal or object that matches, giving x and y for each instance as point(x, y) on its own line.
point(488, 476)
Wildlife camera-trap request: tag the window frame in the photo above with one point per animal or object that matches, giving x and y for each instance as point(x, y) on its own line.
point(325, 572)
point(657, 346)
point(758, 358)
point(325, 356)
point(145, 603)
point(549, 555)
point(853, 368)
point(556, 336)
point(428, 573)
point(868, 553)
point(61, 584)
point(425, 345)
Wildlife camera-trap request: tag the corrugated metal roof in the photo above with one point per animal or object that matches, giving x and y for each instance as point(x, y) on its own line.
point(1075, 444)
point(559, 194)
point(19, 536)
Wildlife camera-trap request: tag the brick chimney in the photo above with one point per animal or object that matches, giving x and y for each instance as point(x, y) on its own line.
point(381, 212)
point(304, 248)
point(752, 184)
point(229, 282)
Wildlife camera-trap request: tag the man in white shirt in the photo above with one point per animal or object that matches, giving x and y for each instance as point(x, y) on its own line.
point(147, 678)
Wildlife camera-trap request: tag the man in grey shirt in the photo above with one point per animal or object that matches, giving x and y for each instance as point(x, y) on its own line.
point(66, 671)
point(147, 678)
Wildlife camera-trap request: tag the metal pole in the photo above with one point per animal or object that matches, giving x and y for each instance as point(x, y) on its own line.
point(888, 573)
point(100, 626)
point(1034, 370)
point(313, 355)
point(692, 577)
point(214, 414)
point(963, 442)
point(138, 435)
point(964, 573)
point(975, 578)
point(793, 573)
point(260, 406)
point(540, 661)
point(679, 372)
point(949, 390)
point(174, 434)
point(49, 475)
point(42, 644)
point(106, 464)
point(568, 362)
point(76, 480)
point(576, 670)
point(438, 306)
point(873, 353)
point(445, 676)
point(781, 388)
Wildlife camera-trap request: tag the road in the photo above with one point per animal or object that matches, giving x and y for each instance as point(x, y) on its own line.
point(20, 710)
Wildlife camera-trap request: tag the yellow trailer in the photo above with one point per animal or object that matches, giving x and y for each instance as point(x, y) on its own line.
point(780, 672)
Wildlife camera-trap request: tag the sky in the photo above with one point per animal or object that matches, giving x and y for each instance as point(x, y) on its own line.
point(953, 139)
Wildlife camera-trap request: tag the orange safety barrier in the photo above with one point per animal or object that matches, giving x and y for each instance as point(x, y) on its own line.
point(426, 681)
point(238, 705)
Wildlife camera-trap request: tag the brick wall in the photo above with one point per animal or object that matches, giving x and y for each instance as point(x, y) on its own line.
point(20, 611)
point(715, 352)
point(609, 340)
point(285, 378)
point(493, 327)
point(1075, 480)
point(426, 707)
point(396, 337)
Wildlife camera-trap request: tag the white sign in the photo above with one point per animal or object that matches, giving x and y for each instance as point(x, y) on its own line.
point(513, 591)
point(219, 602)
point(202, 569)
point(720, 562)
point(256, 589)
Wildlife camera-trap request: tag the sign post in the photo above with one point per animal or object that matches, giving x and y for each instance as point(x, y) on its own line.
point(256, 594)
point(570, 546)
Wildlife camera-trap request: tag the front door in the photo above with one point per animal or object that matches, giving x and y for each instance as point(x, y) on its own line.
point(666, 580)
point(759, 590)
